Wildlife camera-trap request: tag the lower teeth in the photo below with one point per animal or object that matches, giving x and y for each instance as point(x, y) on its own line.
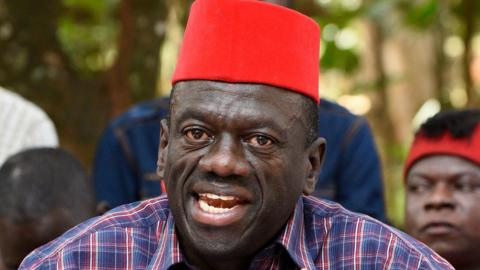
point(212, 209)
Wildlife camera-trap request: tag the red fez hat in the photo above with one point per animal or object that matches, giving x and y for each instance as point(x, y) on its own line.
point(466, 147)
point(248, 41)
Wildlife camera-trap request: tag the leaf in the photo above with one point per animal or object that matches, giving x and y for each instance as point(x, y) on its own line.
point(334, 58)
point(422, 15)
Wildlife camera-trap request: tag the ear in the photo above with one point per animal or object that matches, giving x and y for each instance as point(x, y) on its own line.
point(316, 155)
point(162, 149)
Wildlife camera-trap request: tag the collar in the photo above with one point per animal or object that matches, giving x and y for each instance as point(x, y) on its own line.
point(292, 239)
point(168, 251)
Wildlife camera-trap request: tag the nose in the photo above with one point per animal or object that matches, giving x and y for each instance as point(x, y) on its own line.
point(440, 198)
point(225, 158)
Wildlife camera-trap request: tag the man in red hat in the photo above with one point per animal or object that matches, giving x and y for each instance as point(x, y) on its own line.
point(443, 186)
point(239, 155)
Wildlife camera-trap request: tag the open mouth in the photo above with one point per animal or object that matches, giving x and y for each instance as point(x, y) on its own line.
point(217, 204)
point(217, 209)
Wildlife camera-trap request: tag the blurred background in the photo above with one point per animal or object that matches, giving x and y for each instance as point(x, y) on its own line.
point(396, 62)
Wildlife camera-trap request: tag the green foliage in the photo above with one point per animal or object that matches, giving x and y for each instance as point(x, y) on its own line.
point(421, 14)
point(95, 7)
point(380, 9)
point(88, 33)
point(336, 58)
point(338, 16)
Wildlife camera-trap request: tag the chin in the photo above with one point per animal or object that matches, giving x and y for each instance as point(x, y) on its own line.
point(221, 249)
point(450, 250)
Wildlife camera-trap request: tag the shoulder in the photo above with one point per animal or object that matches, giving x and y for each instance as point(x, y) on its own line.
point(15, 104)
point(143, 119)
point(138, 221)
point(338, 119)
point(330, 108)
point(8, 96)
point(352, 235)
point(144, 111)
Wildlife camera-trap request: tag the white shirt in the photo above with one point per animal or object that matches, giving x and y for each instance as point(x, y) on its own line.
point(23, 125)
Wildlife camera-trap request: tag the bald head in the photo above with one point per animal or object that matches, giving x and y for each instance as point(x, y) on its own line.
point(43, 192)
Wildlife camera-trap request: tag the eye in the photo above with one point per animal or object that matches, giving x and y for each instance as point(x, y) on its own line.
point(418, 187)
point(259, 140)
point(197, 135)
point(465, 186)
point(467, 183)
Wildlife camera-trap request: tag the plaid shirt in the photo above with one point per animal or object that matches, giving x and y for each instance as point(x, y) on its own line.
point(319, 235)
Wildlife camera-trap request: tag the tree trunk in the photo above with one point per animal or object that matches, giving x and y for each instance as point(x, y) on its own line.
point(118, 84)
point(468, 7)
point(439, 56)
point(382, 123)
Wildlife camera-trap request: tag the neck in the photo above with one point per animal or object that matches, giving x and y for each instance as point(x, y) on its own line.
point(465, 263)
point(226, 265)
point(200, 260)
point(467, 266)
point(206, 263)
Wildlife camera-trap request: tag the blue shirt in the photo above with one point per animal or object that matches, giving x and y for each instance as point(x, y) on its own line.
point(318, 235)
point(351, 174)
point(125, 161)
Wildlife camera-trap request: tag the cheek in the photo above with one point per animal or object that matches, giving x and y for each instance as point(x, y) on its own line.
point(279, 170)
point(471, 214)
point(413, 211)
point(414, 203)
point(281, 184)
point(178, 166)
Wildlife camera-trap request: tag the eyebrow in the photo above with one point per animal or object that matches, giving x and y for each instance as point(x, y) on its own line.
point(468, 173)
point(209, 116)
point(192, 113)
point(430, 178)
point(417, 176)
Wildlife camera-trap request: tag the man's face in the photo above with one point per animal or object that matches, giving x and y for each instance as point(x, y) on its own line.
point(235, 163)
point(443, 207)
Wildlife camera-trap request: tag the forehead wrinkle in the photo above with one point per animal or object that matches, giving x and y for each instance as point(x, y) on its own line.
point(237, 117)
point(247, 92)
point(298, 117)
point(440, 166)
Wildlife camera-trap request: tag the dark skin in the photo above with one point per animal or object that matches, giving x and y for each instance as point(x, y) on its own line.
point(237, 140)
point(18, 240)
point(443, 208)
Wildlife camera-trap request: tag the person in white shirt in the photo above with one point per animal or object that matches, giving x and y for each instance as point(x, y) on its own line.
point(23, 125)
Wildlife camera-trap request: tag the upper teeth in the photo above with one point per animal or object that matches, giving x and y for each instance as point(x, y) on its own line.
point(216, 204)
point(217, 197)
point(212, 209)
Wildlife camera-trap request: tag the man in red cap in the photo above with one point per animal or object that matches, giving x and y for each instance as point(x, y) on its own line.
point(443, 187)
point(239, 155)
